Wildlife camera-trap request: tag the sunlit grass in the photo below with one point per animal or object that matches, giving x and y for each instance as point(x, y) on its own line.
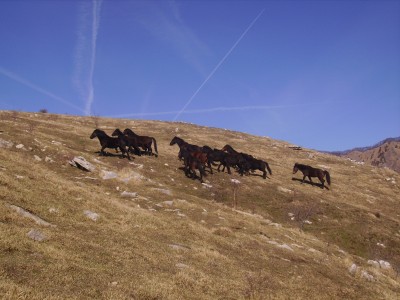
point(179, 239)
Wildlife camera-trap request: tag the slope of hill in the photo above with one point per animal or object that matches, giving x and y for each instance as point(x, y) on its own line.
point(148, 232)
point(383, 154)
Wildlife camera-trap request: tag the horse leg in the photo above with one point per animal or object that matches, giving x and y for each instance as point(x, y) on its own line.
point(309, 177)
point(321, 178)
point(122, 147)
point(202, 172)
point(241, 171)
point(187, 171)
point(304, 177)
point(229, 169)
point(209, 165)
point(264, 174)
point(180, 155)
point(194, 172)
point(123, 152)
point(102, 150)
point(137, 150)
point(127, 153)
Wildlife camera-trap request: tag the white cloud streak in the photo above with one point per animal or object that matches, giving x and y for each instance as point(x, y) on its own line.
point(85, 51)
point(219, 109)
point(29, 84)
point(218, 65)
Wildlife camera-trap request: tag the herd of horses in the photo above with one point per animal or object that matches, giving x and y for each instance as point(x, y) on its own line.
point(125, 141)
point(198, 158)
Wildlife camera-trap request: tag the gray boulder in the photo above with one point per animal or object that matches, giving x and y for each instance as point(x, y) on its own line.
point(81, 163)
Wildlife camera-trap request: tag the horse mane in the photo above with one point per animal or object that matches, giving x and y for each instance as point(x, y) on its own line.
point(129, 131)
point(178, 138)
point(117, 131)
point(228, 148)
point(100, 132)
point(303, 166)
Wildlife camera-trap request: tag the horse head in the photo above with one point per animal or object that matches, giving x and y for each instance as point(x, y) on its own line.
point(128, 131)
point(95, 133)
point(207, 149)
point(176, 140)
point(295, 168)
point(116, 132)
point(229, 149)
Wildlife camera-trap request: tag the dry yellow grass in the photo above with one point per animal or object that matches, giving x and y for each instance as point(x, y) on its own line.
point(179, 239)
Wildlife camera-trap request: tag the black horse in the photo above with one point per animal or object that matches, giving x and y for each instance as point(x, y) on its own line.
point(207, 153)
point(309, 172)
point(109, 142)
point(232, 159)
point(246, 162)
point(184, 146)
point(143, 141)
point(191, 163)
point(216, 155)
point(130, 142)
point(253, 164)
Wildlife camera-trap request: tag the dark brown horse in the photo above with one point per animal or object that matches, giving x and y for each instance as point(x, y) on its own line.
point(183, 146)
point(309, 172)
point(246, 162)
point(193, 163)
point(143, 141)
point(130, 142)
point(215, 155)
point(253, 164)
point(233, 159)
point(109, 142)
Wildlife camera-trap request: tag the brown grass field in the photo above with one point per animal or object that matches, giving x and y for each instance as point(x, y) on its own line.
point(179, 239)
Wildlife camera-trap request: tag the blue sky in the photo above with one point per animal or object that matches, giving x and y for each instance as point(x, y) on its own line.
point(320, 74)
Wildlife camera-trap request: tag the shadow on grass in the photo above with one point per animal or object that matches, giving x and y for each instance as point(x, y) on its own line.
point(311, 183)
point(109, 154)
point(257, 175)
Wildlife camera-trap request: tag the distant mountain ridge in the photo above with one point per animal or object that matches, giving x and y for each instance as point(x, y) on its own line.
point(386, 153)
point(363, 149)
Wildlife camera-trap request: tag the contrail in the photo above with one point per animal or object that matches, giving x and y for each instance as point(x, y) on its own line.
point(218, 65)
point(37, 88)
point(218, 109)
point(95, 28)
point(85, 51)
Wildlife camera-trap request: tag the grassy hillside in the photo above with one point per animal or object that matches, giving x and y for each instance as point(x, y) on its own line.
point(178, 239)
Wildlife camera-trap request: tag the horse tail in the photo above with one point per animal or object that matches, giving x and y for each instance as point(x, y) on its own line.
point(268, 168)
point(328, 177)
point(155, 145)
